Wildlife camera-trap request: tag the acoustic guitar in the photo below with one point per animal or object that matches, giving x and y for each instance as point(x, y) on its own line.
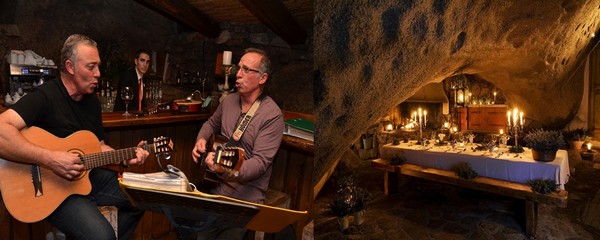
point(32, 192)
point(230, 159)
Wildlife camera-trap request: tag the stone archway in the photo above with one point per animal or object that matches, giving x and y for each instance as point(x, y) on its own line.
point(372, 55)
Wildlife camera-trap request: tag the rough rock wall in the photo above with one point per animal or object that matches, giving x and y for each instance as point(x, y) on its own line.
point(372, 55)
point(44, 25)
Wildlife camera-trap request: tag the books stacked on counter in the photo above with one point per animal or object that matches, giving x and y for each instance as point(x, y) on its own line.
point(301, 128)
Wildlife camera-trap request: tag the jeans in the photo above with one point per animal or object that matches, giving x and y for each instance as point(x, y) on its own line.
point(78, 216)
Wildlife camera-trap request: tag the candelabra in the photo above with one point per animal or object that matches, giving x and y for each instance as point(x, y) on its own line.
point(421, 126)
point(420, 119)
point(515, 126)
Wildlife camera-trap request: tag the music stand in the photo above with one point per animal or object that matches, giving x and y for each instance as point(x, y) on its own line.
point(188, 213)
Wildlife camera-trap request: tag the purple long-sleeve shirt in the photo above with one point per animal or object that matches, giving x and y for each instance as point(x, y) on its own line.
point(260, 141)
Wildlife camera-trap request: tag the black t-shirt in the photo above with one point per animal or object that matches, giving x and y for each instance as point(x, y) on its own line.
point(51, 108)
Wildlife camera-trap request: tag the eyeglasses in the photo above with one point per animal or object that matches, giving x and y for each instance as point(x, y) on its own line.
point(245, 69)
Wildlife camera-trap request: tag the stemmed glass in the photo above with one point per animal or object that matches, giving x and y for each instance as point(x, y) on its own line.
point(494, 139)
point(461, 139)
point(441, 136)
point(127, 96)
point(492, 143)
point(432, 139)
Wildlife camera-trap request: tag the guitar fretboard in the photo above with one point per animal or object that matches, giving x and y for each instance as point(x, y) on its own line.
point(104, 158)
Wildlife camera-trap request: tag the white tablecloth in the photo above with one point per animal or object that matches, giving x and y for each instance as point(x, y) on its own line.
point(500, 164)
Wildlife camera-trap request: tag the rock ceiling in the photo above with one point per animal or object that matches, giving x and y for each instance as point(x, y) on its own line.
point(373, 55)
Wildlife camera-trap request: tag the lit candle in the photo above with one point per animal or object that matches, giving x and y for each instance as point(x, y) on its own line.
point(589, 146)
point(501, 132)
point(446, 125)
point(420, 115)
point(494, 96)
point(521, 118)
point(425, 116)
point(508, 116)
point(515, 116)
point(227, 58)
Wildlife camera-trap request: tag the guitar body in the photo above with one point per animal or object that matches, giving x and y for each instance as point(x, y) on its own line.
point(16, 185)
point(230, 159)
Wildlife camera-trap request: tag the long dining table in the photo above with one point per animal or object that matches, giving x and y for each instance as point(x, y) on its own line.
point(499, 163)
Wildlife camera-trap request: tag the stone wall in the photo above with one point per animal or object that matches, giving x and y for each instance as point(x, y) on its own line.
point(373, 55)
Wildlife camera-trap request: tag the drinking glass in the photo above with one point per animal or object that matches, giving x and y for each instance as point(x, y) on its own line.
point(127, 96)
point(441, 136)
point(471, 138)
point(433, 138)
point(494, 139)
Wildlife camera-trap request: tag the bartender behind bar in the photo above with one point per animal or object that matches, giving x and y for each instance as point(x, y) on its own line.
point(133, 78)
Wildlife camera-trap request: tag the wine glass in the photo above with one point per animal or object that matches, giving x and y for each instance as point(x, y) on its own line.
point(127, 96)
point(433, 138)
point(461, 139)
point(494, 139)
point(491, 145)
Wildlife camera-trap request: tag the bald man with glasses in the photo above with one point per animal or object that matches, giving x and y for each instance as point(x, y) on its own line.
point(258, 132)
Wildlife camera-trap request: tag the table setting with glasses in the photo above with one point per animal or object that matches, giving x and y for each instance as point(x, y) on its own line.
point(488, 159)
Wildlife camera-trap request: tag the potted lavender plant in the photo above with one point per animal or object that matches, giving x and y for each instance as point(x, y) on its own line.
point(544, 144)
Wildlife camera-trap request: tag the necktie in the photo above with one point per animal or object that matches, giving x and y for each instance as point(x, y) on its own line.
point(140, 94)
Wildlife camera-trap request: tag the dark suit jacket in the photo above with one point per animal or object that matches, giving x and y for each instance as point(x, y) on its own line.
point(129, 79)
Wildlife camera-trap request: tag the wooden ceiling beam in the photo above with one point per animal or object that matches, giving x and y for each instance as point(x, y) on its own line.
point(185, 13)
point(276, 16)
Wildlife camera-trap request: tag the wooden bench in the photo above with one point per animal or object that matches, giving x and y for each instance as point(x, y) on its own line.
point(495, 186)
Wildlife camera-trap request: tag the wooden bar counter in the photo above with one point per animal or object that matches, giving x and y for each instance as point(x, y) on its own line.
point(292, 167)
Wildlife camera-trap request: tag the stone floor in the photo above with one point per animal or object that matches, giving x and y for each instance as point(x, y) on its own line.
point(428, 210)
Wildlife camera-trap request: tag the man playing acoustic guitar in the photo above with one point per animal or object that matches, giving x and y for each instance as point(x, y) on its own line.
point(258, 132)
point(63, 107)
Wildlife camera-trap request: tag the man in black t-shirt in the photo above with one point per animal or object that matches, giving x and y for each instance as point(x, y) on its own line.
point(63, 107)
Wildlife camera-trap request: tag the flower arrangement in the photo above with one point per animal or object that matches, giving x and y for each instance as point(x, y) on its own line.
point(398, 159)
point(349, 199)
point(463, 170)
point(543, 186)
point(541, 139)
point(578, 134)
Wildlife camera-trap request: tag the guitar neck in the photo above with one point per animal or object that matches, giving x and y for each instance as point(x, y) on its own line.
point(94, 160)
